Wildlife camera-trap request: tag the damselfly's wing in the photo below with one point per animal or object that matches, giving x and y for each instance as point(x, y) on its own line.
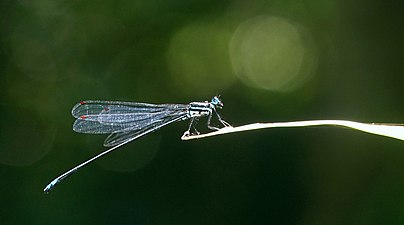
point(121, 137)
point(123, 120)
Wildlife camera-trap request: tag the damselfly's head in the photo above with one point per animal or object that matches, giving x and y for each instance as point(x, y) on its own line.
point(217, 102)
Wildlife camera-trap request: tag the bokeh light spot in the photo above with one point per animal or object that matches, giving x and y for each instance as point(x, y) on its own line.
point(272, 53)
point(35, 58)
point(198, 57)
point(24, 143)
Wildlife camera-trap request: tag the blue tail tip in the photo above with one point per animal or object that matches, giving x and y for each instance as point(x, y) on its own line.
point(50, 186)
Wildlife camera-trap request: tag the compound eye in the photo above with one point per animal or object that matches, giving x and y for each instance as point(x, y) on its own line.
point(215, 100)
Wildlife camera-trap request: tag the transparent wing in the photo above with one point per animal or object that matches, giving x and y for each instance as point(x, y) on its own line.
point(93, 108)
point(121, 137)
point(105, 117)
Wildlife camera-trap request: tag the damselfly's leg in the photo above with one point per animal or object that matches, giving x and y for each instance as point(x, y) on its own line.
point(191, 126)
point(226, 124)
point(208, 124)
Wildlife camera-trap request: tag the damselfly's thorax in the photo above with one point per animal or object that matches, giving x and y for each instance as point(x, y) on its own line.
point(198, 109)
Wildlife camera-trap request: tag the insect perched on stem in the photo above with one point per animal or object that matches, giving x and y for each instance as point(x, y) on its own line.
point(128, 121)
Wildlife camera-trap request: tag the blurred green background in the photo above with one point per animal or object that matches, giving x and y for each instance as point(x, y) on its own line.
point(270, 61)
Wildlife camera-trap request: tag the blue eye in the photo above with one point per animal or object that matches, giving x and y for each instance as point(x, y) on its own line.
point(215, 100)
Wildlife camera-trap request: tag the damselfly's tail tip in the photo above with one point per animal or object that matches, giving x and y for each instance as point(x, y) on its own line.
point(50, 186)
point(47, 189)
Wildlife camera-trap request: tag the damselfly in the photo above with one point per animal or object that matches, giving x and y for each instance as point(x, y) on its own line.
point(128, 121)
